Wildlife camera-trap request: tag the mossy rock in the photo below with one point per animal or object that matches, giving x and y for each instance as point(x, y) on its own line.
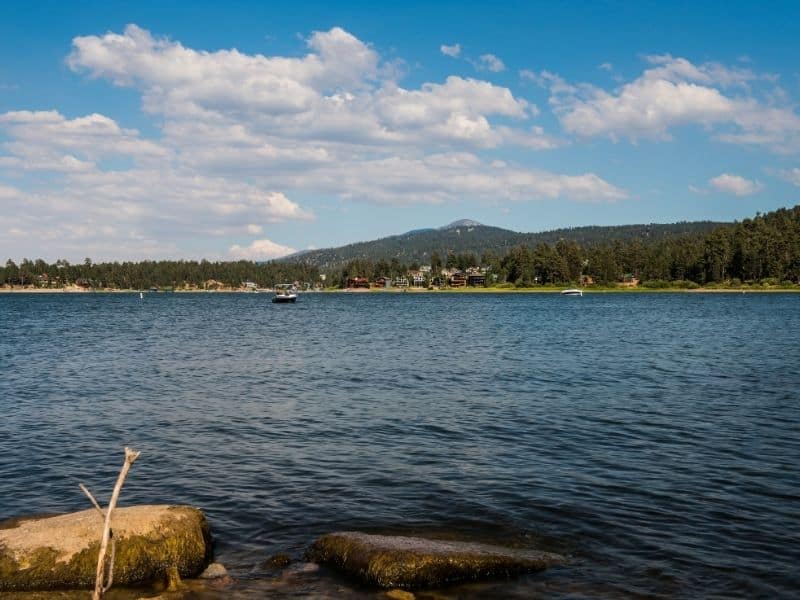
point(417, 563)
point(61, 552)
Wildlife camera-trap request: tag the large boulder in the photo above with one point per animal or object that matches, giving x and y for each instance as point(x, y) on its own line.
point(413, 563)
point(61, 552)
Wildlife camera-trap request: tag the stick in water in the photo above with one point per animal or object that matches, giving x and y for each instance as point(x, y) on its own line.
point(130, 458)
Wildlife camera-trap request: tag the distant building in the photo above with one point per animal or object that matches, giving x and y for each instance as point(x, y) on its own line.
point(586, 280)
point(458, 280)
point(383, 282)
point(630, 280)
point(401, 282)
point(358, 282)
point(476, 280)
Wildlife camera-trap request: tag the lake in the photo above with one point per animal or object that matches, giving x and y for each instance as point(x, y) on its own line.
point(653, 438)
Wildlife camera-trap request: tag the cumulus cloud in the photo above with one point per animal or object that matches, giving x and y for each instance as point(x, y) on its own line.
point(241, 135)
point(791, 175)
point(674, 92)
point(47, 141)
point(452, 51)
point(489, 62)
point(734, 184)
point(260, 250)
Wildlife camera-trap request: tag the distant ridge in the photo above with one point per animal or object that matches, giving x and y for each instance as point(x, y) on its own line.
point(467, 235)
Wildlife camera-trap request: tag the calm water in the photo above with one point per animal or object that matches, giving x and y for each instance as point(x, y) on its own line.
point(655, 439)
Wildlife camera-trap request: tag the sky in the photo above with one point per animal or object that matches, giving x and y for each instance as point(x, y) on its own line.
point(227, 130)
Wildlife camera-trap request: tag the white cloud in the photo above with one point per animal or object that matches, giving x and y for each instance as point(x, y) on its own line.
point(9, 193)
point(734, 184)
point(331, 95)
point(791, 175)
point(260, 250)
point(47, 141)
point(452, 51)
point(241, 135)
point(674, 92)
point(489, 62)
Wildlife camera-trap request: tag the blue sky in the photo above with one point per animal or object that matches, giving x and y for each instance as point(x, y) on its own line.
point(252, 129)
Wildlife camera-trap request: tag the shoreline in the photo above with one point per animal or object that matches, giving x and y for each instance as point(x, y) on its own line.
point(475, 290)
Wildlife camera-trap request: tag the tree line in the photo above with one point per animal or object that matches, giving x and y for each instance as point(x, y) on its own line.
point(161, 274)
point(765, 248)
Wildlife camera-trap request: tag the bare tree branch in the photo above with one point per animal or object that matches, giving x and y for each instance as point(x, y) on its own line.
point(89, 495)
point(130, 458)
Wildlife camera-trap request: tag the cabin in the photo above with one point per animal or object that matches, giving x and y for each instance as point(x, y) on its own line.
point(629, 280)
point(586, 280)
point(476, 280)
point(417, 279)
point(401, 282)
point(382, 282)
point(458, 280)
point(358, 282)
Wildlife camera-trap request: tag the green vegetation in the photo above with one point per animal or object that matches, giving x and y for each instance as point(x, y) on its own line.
point(763, 252)
point(424, 245)
point(758, 253)
point(163, 274)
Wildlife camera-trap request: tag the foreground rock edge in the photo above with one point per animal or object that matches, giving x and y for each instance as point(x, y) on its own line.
point(419, 563)
point(52, 553)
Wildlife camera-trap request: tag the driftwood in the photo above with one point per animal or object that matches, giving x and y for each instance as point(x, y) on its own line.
point(101, 583)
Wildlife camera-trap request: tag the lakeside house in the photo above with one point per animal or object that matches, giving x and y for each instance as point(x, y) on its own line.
point(417, 278)
point(629, 280)
point(358, 283)
point(458, 280)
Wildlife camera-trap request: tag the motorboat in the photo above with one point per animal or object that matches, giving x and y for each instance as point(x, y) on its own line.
point(284, 293)
point(572, 292)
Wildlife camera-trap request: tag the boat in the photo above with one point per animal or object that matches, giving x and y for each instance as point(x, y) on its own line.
point(285, 292)
point(572, 292)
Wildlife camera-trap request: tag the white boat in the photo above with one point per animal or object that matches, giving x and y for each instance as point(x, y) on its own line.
point(572, 292)
point(284, 293)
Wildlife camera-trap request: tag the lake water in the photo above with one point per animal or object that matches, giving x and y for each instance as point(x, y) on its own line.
point(654, 439)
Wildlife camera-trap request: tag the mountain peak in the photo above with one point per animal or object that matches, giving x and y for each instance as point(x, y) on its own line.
point(461, 223)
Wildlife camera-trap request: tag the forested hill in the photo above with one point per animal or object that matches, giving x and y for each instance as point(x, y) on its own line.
point(471, 237)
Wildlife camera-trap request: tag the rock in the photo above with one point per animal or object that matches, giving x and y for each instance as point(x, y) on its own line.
point(400, 595)
point(173, 579)
point(413, 563)
point(61, 552)
point(214, 571)
point(278, 561)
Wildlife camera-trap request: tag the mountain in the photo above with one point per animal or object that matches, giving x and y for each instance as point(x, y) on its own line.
point(462, 223)
point(466, 235)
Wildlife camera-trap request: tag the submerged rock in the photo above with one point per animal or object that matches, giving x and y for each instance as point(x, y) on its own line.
point(61, 552)
point(278, 561)
point(412, 563)
point(214, 571)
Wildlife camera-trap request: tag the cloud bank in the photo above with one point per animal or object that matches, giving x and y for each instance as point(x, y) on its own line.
point(242, 134)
